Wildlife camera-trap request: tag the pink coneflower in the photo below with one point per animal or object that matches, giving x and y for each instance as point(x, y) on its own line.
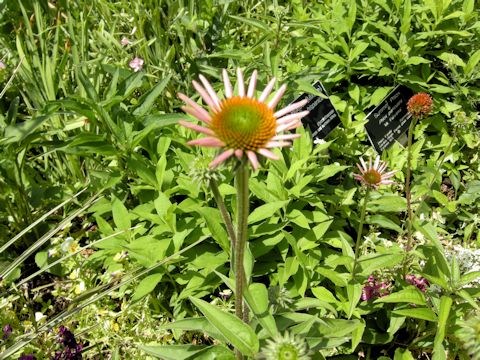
point(136, 64)
point(125, 41)
point(242, 124)
point(420, 105)
point(374, 175)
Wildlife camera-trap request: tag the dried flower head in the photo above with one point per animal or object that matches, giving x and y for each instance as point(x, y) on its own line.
point(420, 105)
point(242, 124)
point(136, 64)
point(374, 175)
point(285, 347)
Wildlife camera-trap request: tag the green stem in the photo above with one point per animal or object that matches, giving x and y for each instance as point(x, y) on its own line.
point(360, 231)
point(408, 195)
point(225, 215)
point(241, 240)
point(408, 192)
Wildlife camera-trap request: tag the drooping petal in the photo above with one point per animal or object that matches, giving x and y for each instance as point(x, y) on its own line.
point(197, 128)
point(239, 154)
point(211, 92)
point(227, 84)
point(286, 136)
point(267, 90)
point(288, 109)
point(362, 171)
point(253, 159)
point(208, 142)
point(240, 83)
point(203, 93)
point(252, 85)
point(389, 174)
point(204, 115)
point(273, 144)
point(196, 114)
point(377, 161)
point(221, 158)
point(268, 154)
point(294, 116)
point(382, 167)
point(278, 95)
point(364, 165)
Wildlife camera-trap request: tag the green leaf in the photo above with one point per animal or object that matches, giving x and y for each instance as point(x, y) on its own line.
point(387, 203)
point(121, 217)
point(409, 295)
point(418, 313)
point(451, 59)
point(266, 211)
point(256, 297)
point(373, 262)
point(472, 63)
point(383, 222)
point(146, 101)
point(198, 324)
point(213, 220)
point(416, 60)
point(444, 311)
point(403, 354)
point(239, 334)
point(354, 292)
point(146, 286)
point(328, 171)
point(185, 352)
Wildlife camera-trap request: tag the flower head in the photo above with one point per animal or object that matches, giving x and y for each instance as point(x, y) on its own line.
point(136, 64)
point(3, 66)
point(419, 282)
point(7, 331)
point(420, 105)
point(285, 347)
point(125, 41)
point(374, 175)
point(242, 124)
point(374, 289)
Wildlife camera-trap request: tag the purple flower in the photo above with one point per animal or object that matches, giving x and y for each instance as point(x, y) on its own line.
point(374, 289)
point(72, 350)
point(7, 331)
point(419, 282)
point(27, 357)
point(136, 64)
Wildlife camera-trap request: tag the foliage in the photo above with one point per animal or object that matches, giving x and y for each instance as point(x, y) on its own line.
point(108, 226)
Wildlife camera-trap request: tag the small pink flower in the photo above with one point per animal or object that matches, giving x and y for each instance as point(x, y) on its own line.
point(420, 282)
point(374, 175)
point(136, 64)
point(125, 41)
point(374, 289)
point(3, 66)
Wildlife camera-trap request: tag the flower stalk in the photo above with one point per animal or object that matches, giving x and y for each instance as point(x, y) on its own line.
point(360, 231)
point(408, 192)
point(225, 215)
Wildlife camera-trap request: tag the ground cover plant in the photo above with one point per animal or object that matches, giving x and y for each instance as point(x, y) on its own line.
point(123, 239)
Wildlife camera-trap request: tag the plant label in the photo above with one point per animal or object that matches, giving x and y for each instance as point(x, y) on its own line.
point(323, 117)
point(389, 120)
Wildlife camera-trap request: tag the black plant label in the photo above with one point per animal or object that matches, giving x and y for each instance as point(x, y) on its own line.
point(323, 117)
point(389, 120)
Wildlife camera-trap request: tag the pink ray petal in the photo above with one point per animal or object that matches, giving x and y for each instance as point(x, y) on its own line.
point(364, 165)
point(239, 154)
point(240, 83)
point(272, 144)
point(276, 98)
point(203, 93)
point(205, 116)
point(267, 90)
point(358, 177)
point(208, 142)
point(227, 84)
point(268, 154)
point(294, 116)
point(362, 170)
point(288, 126)
point(253, 159)
point(382, 167)
point(290, 108)
point(387, 182)
point(389, 174)
point(221, 158)
point(286, 136)
point(197, 128)
point(377, 161)
point(211, 92)
point(370, 162)
point(253, 83)
point(198, 115)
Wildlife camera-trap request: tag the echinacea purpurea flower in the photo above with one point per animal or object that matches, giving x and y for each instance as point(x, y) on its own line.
point(242, 124)
point(374, 174)
point(420, 105)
